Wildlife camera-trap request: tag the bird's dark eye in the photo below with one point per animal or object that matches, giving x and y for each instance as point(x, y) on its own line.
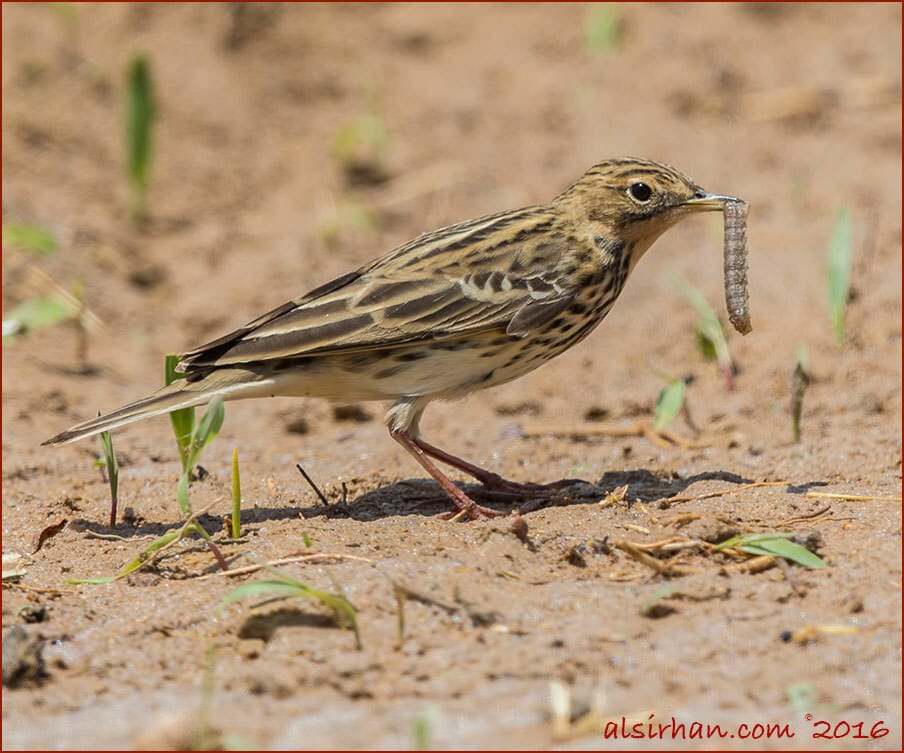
point(640, 192)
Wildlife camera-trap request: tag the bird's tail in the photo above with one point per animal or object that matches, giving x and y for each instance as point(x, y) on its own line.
point(230, 384)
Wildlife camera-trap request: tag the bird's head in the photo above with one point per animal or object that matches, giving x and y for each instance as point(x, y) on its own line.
point(635, 200)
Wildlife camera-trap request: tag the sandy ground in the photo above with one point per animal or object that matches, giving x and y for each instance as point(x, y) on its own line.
point(795, 108)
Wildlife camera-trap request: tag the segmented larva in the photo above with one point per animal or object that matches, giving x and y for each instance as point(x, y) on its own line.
point(734, 214)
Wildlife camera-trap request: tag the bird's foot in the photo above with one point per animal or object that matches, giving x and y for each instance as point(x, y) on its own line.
point(496, 483)
point(474, 512)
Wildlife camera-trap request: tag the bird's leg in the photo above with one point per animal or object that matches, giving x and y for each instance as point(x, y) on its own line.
point(487, 478)
point(492, 481)
point(462, 501)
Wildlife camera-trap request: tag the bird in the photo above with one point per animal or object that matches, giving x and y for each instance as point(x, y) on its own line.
point(459, 309)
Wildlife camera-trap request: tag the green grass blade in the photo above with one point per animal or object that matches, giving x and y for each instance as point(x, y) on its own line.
point(663, 592)
point(668, 404)
point(711, 335)
point(803, 697)
point(789, 550)
point(32, 238)
point(263, 589)
point(840, 253)
point(36, 313)
point(602, 27)
point(149, 550)
point(145, 555)
point(736, 542)
point(182, 494)
point(201, 435)
point(208, 427)
point(139, 126)
point(170, 363)
point(285, 586)
point(112, 466)
point(183, 420)
point(776, 545)
point(365, 137)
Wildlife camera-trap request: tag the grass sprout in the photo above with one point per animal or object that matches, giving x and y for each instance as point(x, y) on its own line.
point(183, 420)
point(602, 27)
point(803, 697)
point(284, 586)
point(360, 147)
point(49, 304)
point(711, 340)
point(669, 403)
point(111, 464)
point(839, 279)
point(423, 725)
point(37, 313)
point(774, 544)
point(140, 115)
point(202, 434)
point(157, 547)
point(31, 238)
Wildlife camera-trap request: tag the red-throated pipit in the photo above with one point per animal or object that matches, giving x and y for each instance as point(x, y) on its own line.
point(465, 307)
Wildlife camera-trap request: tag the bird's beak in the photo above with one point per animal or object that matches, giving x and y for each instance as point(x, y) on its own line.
point(704, 201)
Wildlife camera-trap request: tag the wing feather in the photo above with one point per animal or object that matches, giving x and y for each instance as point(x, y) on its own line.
point(494, 273)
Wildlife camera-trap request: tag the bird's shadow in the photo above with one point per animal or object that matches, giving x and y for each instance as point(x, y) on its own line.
point(424, 497)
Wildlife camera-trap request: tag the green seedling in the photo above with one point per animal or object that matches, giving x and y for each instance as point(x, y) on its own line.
point(183, 420)
point(31, 238)
point(360, 147)
point(711, 340)
point(839, 282)
point(236, 496)
point(203, 432)
point(112, 467)
point(367, 131)
point(422, 727)
point(156, 548)
point(802, 697)
point(52, 307)
point(37, 313)
point(799, 383)
point(669, 403)
point(284, 587)
point(140, 115)
point(774, 544)
point(602, 28)
point(650, 606)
